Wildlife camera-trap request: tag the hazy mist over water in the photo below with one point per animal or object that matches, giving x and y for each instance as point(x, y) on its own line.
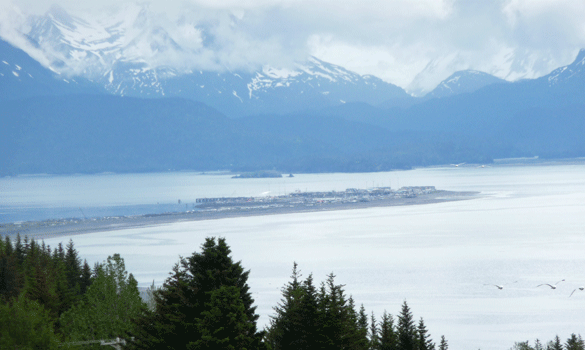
point(528, 226)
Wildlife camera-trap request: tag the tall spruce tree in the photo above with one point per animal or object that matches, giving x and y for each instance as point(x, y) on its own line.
point(334, 316)
point(373, 334)
point(555, 344)
point(292, 326)
point(574, 342)
point(388, 335)
point(407, 333)
point(424, 339)
point(443, 345)
point(363, 342)
point(192, 303)
point(73, 268)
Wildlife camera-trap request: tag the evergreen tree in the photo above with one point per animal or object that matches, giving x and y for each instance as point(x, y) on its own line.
point(9, 277)
point(188, 306)
point(362, 330)
point(19, 250)
point(407, 334)
point(25, 324)
point(373, 334)
point(160, 328)
point(424, 339)
point(388, 335)
point(333, 316)
point(86, 277)
point(524, 345)
point(555, 344)
point(289, 327)
point(309, 314)
point(73, 268)
point(224, 323)
point(574, 343)
point(443, 344)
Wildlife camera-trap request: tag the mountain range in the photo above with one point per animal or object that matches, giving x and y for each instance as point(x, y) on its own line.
point(104, 105)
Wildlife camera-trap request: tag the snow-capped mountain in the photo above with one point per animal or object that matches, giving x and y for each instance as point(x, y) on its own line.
point(91, 47)
point(463, 82)
point(21, 77)
point(510, 64)
point(129, 54)
point(573, 72)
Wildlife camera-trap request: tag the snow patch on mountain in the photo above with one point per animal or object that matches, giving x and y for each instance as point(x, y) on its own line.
point(575, 69)
point(463, 82)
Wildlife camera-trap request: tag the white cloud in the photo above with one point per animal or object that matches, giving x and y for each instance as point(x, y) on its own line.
point(405, 42)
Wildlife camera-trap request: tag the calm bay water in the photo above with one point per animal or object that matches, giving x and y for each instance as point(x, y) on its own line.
point(528, 227)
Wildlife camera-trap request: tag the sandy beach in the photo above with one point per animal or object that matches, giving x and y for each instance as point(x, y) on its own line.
point(72, 226)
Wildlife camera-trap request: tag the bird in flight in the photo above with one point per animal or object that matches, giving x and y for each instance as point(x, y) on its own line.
point(499, 286)
point(456, 165)
point(552, 286)
point(574, 290)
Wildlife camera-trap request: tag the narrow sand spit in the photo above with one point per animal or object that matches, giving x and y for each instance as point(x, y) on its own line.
point(61, 227)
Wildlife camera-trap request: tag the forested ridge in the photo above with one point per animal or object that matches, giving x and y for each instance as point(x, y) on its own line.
point(50, 299)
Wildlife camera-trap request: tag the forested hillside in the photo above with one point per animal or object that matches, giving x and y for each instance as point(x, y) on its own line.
point(49, 299)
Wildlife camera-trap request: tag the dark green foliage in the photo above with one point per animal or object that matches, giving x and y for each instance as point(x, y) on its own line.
point(293, 326)
point(362, 341)
point(424, 339)
point(406, 329)
point(9, 276)
point(555, 344)
point(373, 335)
point(444, 346)
point(224, 323)
point(86, 278)
point(205, 303)
point(387, 334)
point(51, 279)
point(328, 319)
point(522, 346)
point(335, 320)
point(72, 268)
point(25, 324)
point(575, 343)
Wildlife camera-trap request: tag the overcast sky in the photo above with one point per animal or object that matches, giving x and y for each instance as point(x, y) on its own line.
point(395, 40)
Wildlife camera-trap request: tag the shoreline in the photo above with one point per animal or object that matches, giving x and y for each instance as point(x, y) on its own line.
point(62, 227)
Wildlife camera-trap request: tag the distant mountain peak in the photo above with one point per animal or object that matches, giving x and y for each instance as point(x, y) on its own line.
point(580, 60)
point(61, 16)
point(465, 81)
point(573, 70)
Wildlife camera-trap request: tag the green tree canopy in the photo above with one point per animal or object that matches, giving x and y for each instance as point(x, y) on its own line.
point(407, 332)
point(108, 308)
point(26, 324)
point(206, 303)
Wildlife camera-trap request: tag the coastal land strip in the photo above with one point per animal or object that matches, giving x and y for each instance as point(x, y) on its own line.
point(215, 210)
